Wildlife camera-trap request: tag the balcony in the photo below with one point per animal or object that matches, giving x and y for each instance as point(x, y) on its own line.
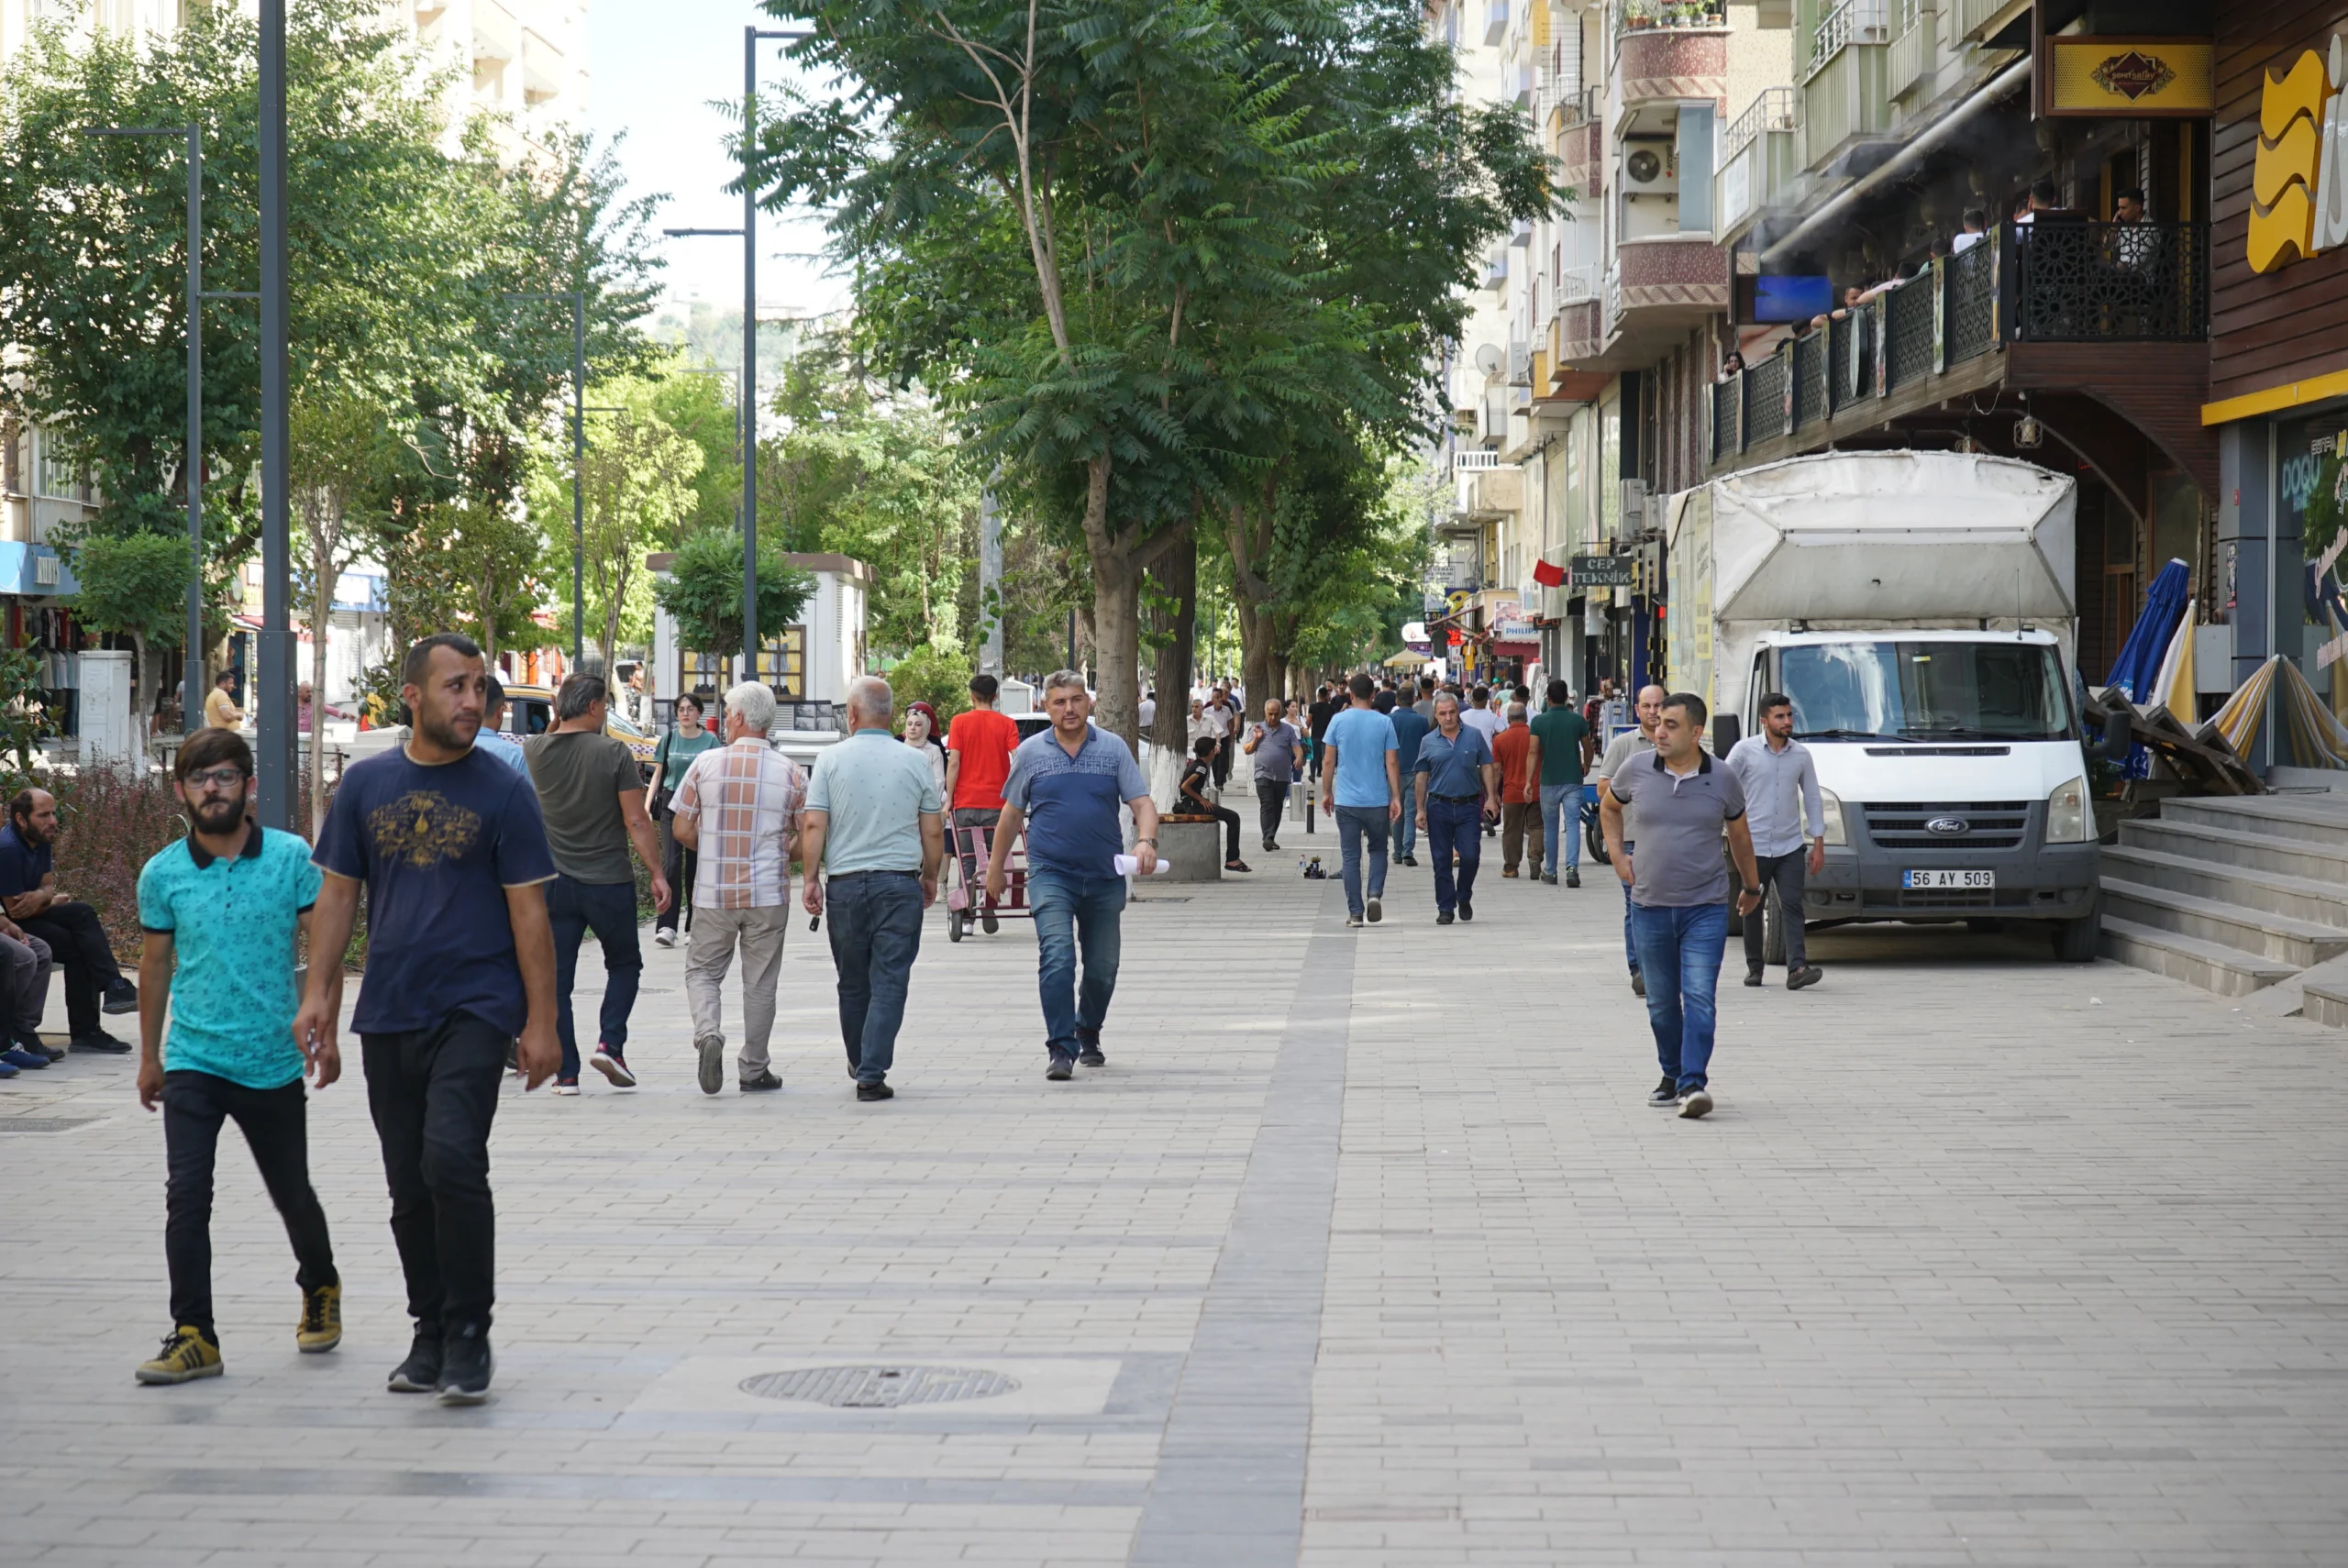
point(2106, 283)
point(1630, 16)
point(1759, 157)
point(1911, 52)
point(1844, 94)
point(1667, 50)
point(496, 35)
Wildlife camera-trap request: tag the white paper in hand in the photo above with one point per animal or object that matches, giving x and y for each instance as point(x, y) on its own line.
point(1128, 865)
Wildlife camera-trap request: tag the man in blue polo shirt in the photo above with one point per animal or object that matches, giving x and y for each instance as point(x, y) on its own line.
point(221, 909)
point(1066, 786)
point(1458, 786)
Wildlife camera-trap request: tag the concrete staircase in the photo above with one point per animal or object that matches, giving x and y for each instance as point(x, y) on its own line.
point(2233, 894)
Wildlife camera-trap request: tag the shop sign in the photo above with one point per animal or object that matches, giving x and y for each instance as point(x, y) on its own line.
point(1606, 571)
point(2299, 182)
point(2129, 78)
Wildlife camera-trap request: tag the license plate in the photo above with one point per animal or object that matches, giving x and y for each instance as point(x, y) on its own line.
point(1929, 879)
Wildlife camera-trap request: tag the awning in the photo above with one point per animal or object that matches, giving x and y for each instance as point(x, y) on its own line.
point(1516, 650)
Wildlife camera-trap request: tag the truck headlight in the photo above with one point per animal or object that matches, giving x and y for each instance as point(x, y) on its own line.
point(1832, 804)
point(2068, 816)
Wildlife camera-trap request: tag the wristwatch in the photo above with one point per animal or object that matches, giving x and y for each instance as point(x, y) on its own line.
point(1139, 841)
point(1752, 892)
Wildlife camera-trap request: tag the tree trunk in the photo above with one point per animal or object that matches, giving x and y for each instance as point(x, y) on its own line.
point(1176, 573)
point(1116, 630)
point(1259, 661)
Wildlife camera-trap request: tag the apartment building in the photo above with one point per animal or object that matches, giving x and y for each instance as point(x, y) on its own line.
point(524, 61)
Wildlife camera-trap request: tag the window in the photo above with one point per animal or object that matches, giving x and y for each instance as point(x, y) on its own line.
point(700, 671)
point(782, 664)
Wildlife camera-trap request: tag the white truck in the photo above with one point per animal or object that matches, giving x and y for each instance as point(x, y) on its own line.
point(1918, 608)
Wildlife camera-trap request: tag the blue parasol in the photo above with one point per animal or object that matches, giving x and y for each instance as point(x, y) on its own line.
point(2138, 667)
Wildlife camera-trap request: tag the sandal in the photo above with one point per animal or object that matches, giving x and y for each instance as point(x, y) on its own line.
point(1236, 865)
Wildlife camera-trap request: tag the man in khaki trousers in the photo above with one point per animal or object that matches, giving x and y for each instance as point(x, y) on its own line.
point(737, 808)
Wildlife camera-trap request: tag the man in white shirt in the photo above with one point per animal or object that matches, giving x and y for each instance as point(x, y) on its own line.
point(1781, 795)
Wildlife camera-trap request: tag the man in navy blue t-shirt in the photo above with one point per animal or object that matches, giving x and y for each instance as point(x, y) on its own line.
point(1066, 787)
point(460, 961)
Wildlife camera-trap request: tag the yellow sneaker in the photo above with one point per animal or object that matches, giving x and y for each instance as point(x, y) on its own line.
point(321, 1327)
point(186, 1355)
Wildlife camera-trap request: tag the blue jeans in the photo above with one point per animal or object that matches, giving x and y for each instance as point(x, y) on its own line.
point(1561, 825)
point(1680, 953)
point(1455, 824)
point(874, 918)
point(1406, 826)
point(1630, 937)
point(1355, 824)
point(608, 909)
point(1071, 910)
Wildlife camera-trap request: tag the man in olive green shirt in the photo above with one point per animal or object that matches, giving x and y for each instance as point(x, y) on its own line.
point(1561, 751)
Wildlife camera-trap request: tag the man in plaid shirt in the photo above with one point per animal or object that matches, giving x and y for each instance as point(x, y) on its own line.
point(739, 810)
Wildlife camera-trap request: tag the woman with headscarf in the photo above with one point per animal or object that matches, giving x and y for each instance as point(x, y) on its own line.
point(922, 729)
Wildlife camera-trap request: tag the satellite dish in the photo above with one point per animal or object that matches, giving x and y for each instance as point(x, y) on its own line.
point(1488, 359)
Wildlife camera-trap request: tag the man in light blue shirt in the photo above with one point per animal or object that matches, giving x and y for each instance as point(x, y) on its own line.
point(874, 822)
point(1361, 786)
point(1780, 783)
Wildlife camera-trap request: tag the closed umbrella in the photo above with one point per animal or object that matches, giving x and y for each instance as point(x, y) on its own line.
point(2136, 670)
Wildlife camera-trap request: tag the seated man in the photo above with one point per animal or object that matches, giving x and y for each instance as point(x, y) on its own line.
point(1190, 797)
point(23, 996)
point(30, 896)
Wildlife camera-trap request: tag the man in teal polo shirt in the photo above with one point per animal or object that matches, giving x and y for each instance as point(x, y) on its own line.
point(875, 821)
point(221, 909)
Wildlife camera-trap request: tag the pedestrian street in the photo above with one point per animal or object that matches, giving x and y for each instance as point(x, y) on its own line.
point(1362, 1250)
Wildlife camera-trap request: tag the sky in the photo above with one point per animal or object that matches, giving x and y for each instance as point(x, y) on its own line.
point(657, 65)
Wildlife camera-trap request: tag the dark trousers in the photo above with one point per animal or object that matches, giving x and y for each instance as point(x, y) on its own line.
point(874, 918)
point(974, 857)
point(273, 1123)
point(678, 863)
point(1790, 873)
point(1454, 825)
point(433, 1093)
point(78, 944)
point(1521, 834)
point(1223, 764)
point(1271, 804)
point(1230, 821)
point(608, 909)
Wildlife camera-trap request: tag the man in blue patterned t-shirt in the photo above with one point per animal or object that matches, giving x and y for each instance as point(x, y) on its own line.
point(221, 910)
point(1066, 787)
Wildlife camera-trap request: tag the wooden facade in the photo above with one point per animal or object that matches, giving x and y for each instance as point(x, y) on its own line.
point(2272, 329)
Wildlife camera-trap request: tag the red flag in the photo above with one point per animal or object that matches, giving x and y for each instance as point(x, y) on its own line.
point(1549, 574)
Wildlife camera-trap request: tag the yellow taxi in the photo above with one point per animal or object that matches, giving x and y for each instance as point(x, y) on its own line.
point(529, 710)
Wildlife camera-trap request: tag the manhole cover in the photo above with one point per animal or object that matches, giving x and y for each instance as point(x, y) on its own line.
point(878, 1388)
point(43, 1123)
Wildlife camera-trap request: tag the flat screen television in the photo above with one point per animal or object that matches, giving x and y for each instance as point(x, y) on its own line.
point(1794, 298)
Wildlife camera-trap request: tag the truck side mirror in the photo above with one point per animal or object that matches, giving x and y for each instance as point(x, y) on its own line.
point(1727, 730)
point(2119, 736)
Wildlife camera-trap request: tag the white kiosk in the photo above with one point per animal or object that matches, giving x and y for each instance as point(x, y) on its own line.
point(809, 666)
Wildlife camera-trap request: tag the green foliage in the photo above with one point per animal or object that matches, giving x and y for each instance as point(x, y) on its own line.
point(24, 717)
point(134, 584)
point(879, 477)
point(704, 590)
point(700, 408)
point(940, 677)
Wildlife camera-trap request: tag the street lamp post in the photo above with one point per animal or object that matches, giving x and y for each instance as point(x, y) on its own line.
point(748, 396)
point(578, 299)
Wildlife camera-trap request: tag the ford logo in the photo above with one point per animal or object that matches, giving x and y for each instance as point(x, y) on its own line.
point(1948, 827)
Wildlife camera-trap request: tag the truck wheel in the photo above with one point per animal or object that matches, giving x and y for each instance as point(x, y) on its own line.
point(2079, 941)
point(1773, 932)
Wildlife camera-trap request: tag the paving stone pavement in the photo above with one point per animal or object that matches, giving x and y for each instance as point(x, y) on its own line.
point(1362, 1251)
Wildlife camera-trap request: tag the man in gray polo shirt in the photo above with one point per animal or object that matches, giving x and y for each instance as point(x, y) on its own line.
point(1619, 753)
point(1679, 890)
point(1781, 797)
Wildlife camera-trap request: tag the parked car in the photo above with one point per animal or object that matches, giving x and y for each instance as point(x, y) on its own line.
point(529, 710)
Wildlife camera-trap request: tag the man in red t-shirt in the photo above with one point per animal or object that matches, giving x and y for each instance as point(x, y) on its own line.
point(979, 744)
point(1520, 792)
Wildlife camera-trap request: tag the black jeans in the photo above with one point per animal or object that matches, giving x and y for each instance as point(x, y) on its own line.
point(78, 943)
point(678, 863)
point(1790, 873)
point(275, 1129)
point(433, 1093)
point(607, 909)
point(974, 861)
point(1271, 804)
point(874, 918)
point(1230, 821)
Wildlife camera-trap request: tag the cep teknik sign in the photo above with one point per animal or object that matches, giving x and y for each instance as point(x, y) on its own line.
point(2298, 186)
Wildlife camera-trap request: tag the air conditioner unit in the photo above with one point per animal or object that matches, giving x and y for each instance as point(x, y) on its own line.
point(1650, 167)
point(1519, 364)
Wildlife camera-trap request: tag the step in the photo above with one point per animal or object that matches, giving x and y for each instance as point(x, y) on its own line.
point(2227, 971)
point(2297, 943)
point(2327, 1004)
point(2232, 846)
point(2324, 902)
point(2279, 816)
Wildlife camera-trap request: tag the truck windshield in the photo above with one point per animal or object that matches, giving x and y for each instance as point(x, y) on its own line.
point(1919, 690)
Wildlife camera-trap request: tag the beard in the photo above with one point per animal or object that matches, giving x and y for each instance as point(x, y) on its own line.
point(456, 731)
point(215, 816)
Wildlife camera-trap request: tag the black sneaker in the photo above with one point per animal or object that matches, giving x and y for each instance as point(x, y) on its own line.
point(986, 922)
point(875, 1091)
point(465, 1366)
point(41, 1047)
point(1090, 1056)
point(1550, 877)
point(1752, 976)
point(1376, 910)
point(1573, 878)
point(763, 1083)
point(420, 1373)
point(1667, 1093)
point(1466, 910)
point(119, 997)
point(1638, 984)
point(1808, 975)
point(99, 1041)
point(1062, 1068)
point(1443, 917)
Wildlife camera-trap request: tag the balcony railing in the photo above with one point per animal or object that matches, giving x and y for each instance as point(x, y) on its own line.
point(1854, 21)
point(1575, 284)
point(2047, 282)
point(1772, 109)
point(1645, 16)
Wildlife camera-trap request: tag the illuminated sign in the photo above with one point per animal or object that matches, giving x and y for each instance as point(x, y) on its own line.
point(2128, 77)
point(2299, 182)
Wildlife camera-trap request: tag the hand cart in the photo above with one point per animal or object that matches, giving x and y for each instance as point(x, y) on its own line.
point(968, 900)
